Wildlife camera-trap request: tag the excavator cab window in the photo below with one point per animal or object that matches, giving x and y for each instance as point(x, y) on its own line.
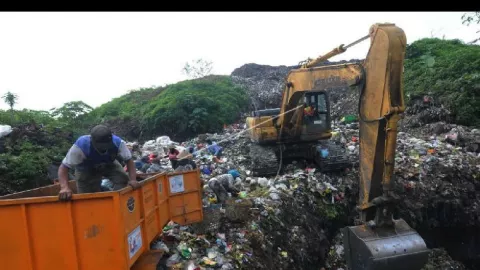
point(317, 118)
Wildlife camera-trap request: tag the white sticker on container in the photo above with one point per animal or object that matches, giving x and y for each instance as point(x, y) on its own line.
point(176, 183)
point(134, 241)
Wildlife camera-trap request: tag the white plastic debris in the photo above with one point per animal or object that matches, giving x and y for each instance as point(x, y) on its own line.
point(262, 181)
point(5, 130)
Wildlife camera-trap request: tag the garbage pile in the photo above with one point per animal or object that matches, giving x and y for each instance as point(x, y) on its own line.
point(292, 221)
point(272, 224)
point(264, 83)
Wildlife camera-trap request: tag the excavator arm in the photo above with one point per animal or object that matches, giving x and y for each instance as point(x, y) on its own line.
point(379, 242)
point(381, 103)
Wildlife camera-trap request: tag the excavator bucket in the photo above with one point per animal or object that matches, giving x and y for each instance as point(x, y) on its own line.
point(392, 248)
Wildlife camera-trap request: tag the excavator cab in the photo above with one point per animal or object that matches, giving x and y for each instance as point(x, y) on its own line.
point(316, 113)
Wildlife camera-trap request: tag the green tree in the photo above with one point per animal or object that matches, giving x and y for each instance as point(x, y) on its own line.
point(179, 110)
point(469, 18)
point(450, 71)
point(197, 68)
point(11, 99)
point(71, 111)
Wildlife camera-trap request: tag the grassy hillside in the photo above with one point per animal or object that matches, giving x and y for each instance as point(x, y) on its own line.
point(450, 71)
point(179, 110)
point(37, 140)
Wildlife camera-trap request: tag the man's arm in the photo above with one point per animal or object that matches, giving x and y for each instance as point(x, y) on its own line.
point(126, 155)
point(74, 157)
point(132, 170)
point(65, 191)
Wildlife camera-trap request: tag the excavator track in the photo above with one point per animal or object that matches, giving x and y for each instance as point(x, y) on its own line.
point(264, 160)
point(337, 158)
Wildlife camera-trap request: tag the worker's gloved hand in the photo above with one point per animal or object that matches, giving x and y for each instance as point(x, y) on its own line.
point(135, 184)
point(65, 194)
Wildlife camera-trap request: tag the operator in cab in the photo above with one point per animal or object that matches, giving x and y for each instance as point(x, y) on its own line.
point(308, 113)
point(94, 157)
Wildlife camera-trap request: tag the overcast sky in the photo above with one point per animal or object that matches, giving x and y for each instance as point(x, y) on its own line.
point(48, 59)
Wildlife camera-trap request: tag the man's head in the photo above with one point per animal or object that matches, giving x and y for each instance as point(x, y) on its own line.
point(209, 142)
point(101, 138)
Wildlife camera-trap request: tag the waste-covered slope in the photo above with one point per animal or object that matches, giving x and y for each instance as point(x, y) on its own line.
point(293, 221)
point(265, 84)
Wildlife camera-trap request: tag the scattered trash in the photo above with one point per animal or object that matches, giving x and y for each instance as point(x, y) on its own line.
point(283, 213)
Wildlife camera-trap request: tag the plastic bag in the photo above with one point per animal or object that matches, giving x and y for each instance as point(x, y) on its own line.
point(5, 130)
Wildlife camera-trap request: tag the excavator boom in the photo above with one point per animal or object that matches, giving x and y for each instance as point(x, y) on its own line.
point(381, 242)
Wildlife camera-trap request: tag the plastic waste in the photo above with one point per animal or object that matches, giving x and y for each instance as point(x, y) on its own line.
point(107, 185)
point(209, 262)
point(5, 130)
point(263, 181)
point(184, 250)
point(161, 246)
point(174, 259)
point(212, 252)
point(324, 152)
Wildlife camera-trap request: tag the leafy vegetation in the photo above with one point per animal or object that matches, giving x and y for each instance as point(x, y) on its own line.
point(180, 110)
point(11, 99)
point(468, 18)
point(450, 71)
point(37, 140)
point(198, 68)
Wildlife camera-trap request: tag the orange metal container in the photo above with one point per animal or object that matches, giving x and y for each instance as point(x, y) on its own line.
point(96, 231)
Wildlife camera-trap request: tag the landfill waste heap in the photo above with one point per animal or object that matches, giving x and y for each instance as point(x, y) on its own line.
point(293, 220)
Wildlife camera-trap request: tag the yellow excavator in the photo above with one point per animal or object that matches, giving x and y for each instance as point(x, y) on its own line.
point(378, 241)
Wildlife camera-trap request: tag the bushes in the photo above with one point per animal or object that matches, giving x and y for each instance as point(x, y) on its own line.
point(179, 110)
point(37, 140)
point(448, 70)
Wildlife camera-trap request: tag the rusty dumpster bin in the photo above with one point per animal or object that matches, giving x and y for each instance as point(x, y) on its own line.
point(94, 231)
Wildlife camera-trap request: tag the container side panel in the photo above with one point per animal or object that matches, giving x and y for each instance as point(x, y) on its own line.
point(192, 182)
point(50, 235)
point(130, 205)
point(97, 247)
point(151, 226)
point(180, 183)
point(188, 218)
point(14, 250)
point(192, 201)
point(148, 197)
point(177, 206)
point(162, 188)
point(185, 203)
point(164, 214)
point(162, 197)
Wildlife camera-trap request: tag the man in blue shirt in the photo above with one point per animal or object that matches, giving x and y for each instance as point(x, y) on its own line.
point(214, 149)
point(94, 157)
